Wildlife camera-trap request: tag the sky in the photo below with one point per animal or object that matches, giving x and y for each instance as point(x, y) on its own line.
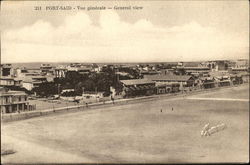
point(163, 31)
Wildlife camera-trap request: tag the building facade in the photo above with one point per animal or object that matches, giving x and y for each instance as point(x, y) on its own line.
point(47, 69)
point(6, 70)
point(14, 101)
point(9, 82)
point(138, 87)
point(183, 80)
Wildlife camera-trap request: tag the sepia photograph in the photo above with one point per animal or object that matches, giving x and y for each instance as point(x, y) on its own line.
point(124, 82)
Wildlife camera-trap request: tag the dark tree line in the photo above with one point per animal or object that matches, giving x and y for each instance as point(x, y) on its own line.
point(46, 89)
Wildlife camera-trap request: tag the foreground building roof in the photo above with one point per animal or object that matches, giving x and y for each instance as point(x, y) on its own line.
point(137, 81)
point(168, 77)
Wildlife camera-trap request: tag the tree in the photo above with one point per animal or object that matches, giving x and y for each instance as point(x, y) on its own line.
point(73, 77)
point(69, 94)
point(100, 82)
point(180, 71)
point(46, 89)
point(79, 88)
point(133, 73)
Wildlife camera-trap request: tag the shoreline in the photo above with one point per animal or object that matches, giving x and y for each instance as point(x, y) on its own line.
point(27, 149)
point(92, 136)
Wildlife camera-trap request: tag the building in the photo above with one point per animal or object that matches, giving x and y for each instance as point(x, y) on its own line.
point(60, 71)
point(221, 65)
point(137, 87)
point(14, 101)
point(192, 70)
point(207, 82)
point(167, 88)
point(84, 70)
point(223, 81)
point(6, 70)
point(218, 65)
point(80, 68)
point(24, 72)
point(236, 79)
point(238, 70)
point(10, 82)
point(167, 71)
point(222, 78)
point(244, 76)
point(33, 81)
point(7, 81)
point(92, 96)
point(196, 71)
point(183, 80)
point(151, 72)
point(242, 63)
point(47, 69)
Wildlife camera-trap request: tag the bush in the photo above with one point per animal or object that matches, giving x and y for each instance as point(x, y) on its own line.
point(69, 94)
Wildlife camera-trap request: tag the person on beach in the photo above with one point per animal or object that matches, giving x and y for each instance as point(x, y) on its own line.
point(205, 129)
point(113, 100)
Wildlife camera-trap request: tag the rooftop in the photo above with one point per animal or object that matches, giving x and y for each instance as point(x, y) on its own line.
point(168, 77)
point(6, 78)
point(197, 68)
point(218, 74)
point(7, 92)
point(191, 64)
point(136, 81)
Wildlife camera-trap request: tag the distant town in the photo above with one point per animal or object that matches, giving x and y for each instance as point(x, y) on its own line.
point(49, 86)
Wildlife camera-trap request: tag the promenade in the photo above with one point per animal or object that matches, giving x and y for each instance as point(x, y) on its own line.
point(84, 107)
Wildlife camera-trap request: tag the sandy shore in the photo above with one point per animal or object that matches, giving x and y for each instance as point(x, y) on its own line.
point(27, 152)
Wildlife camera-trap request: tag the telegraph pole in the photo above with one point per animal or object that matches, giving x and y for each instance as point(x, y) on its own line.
point(58, 90)
point(96, 94)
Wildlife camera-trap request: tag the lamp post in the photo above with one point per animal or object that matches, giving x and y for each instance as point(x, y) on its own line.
point(53, 108)
point(58, 90)
point(96, 94)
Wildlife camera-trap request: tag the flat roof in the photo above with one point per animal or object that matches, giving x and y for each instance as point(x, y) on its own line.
point(196, 68)
point(6, 78)
point(137, 81)
point(168, 77)
point(14, 93)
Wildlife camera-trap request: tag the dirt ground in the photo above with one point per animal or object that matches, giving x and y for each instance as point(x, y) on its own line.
point(49, 104)
point(146, 132)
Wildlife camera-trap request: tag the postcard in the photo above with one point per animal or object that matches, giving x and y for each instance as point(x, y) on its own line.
point(115, 81)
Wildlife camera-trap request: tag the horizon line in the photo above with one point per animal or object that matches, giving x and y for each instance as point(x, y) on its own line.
point(126, 62)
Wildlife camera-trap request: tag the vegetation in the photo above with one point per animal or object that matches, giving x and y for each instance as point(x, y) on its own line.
point(46, 89)
point(94, 82)
point(69, 94)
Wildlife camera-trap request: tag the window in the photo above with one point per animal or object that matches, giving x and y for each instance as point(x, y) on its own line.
point(7, 109)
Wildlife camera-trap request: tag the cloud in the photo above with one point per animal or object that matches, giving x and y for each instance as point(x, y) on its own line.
point(114, 40)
